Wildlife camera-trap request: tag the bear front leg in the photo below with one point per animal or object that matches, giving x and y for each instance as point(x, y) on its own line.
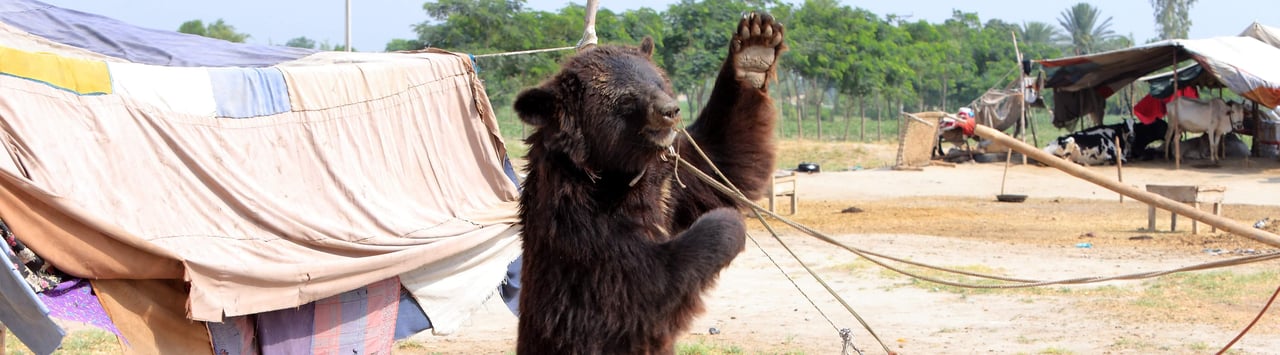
point(695, 257)
point(736, 125)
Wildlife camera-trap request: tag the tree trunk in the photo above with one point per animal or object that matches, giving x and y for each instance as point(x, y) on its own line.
point(945, 72)
point(862, 114)
point(795, 87)
point(844, 114)
point(879, 116)
point(822, 95)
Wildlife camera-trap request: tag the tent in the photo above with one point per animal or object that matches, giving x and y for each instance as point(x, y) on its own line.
point(1082, 83)
point(202, 186)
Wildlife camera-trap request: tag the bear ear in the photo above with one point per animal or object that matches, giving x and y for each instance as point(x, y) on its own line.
point(536, 106)
point(646, 46)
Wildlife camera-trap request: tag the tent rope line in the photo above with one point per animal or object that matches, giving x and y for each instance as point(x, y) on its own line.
point(845, 333)
point(737, 195)
point(1251, 323)
point(531, 51)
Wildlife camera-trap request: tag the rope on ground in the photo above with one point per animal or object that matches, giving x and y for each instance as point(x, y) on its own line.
point(1255, 321)
point(737, 195)
point(845, 334)
point(531, 51)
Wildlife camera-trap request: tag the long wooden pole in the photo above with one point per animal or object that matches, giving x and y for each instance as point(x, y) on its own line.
point(1133, 192)
point(1177, 140)
point(1022, 91)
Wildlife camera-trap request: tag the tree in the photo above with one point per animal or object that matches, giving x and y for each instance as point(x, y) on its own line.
point(1172, 17)
point(301, 42)
point(1039, 32)
point(218, 29)
point(1084, 30)
point(194, 27)
point(400, 44)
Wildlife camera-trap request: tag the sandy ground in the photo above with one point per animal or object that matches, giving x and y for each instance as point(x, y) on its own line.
point(947, 216)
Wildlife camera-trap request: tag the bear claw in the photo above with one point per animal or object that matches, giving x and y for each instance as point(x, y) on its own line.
point(756, 47)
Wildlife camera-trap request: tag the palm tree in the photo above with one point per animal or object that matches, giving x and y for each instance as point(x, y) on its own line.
point(1086, 33)
point(1040, 32)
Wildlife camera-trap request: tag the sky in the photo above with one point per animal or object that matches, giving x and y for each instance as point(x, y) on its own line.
point(375, 22)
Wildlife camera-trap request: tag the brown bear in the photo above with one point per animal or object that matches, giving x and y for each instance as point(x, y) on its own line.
point(617, 253)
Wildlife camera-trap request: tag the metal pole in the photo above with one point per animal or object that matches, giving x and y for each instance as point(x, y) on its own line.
point(1149, 198)
point(348, 26)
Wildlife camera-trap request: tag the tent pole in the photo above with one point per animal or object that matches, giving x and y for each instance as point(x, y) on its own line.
point(1222, 223)
point(1022, 90)
point(348, 26)
point(1177, 139)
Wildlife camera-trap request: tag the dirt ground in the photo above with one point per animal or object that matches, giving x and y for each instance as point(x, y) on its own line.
point(948, 216)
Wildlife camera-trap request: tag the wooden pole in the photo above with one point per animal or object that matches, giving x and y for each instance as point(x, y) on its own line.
point(589, 20)
point(1161, 202)
point(1177, 140)
point(1119, 164)
point(1022, 89)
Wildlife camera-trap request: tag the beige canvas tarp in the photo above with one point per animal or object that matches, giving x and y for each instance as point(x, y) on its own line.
point(384, 165)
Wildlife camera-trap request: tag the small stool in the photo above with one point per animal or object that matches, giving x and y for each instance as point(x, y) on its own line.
point(1193, 195)
point(783, 184)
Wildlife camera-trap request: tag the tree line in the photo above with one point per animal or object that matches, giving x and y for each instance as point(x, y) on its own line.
point(844, 61)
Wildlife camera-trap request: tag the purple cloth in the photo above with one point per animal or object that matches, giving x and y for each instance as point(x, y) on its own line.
point(74, 300)
point(234, 336)
point(287, 331)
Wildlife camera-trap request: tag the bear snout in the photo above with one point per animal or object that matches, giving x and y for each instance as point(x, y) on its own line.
point(666, 114)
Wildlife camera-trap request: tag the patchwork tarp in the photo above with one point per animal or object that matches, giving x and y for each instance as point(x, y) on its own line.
point(267, 182)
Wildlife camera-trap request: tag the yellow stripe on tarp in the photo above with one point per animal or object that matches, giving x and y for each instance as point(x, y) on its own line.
point(80, 76)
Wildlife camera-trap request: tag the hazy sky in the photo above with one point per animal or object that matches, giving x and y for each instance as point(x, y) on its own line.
point(374, 22)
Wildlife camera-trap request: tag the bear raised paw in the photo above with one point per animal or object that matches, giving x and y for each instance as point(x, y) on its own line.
point(616, 255)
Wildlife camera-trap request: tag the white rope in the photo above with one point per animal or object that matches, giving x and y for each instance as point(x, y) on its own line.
point(531, 51)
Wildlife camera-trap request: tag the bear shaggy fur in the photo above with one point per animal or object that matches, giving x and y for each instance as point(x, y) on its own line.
point(616, 253)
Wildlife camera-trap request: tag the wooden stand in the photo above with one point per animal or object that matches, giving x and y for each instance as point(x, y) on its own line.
point(783, 184)
point(1193, 195)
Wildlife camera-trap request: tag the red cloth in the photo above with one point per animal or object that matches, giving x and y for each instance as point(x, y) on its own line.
point(1150, 108)
point(968, 125)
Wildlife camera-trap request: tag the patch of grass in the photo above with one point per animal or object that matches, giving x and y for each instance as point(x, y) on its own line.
point(1220, 289)
point(1055, 351)
point(1126, 343)
point(703, 348)
point(91, 341)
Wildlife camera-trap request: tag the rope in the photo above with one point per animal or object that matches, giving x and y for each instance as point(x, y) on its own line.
point(1255, 321)
point(737, 195)
point(845, 334)
point(531, 51)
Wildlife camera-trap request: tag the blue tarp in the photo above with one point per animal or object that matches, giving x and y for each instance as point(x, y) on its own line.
point(22, 312)
point(115, 38)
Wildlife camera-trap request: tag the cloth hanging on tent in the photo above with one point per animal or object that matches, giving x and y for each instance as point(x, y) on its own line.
point(1152, 108)
point(362, 321)
point(74, 300)
point(139, 45)
point(1068, 106)
point(151, 314)
point(234, 336)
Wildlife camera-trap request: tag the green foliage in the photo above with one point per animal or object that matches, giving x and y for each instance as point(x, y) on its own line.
point(1173, 18)
point(301, 42)
point(218, 29)
point(400, 44)
point(1087, 35)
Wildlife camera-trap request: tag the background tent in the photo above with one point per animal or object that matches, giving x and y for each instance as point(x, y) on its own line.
point(1082, 83)
point(195, 180)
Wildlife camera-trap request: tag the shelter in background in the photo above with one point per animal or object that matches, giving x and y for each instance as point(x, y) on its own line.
point(248, 198)
point(1245, 65)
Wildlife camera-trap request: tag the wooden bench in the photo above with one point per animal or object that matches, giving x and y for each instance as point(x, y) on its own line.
point(783, 183)
point(1193, 195)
